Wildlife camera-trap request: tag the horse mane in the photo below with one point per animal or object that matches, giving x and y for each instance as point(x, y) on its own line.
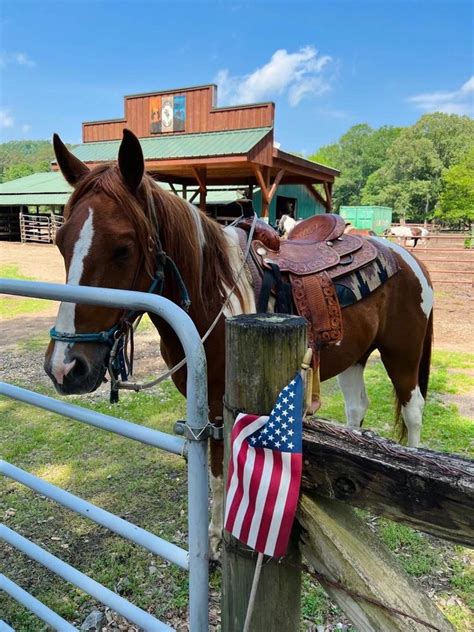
point(160, 216)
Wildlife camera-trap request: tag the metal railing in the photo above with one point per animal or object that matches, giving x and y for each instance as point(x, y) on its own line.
point(194, 449)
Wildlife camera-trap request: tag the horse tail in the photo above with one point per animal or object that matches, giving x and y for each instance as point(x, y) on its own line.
point(423, 378)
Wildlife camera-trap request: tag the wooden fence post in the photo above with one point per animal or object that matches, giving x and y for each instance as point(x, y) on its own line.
point(263, 352)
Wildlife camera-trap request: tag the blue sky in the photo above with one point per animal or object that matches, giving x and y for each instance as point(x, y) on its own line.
point(327, 64)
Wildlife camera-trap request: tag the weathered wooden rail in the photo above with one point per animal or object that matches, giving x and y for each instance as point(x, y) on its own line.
point(427, 490)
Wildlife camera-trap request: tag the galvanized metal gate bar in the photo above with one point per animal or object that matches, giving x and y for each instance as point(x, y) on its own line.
point(196, 451)
point(84, 582)
point(152, 437)
point(37, 607)
point(122, 527)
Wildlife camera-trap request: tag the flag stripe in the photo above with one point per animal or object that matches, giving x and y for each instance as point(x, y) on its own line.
point(245, 479)
point(245, 425)
point(270, 503)
point(254, 487)
point(280, 504)
point(261, 499)
point(291, 505)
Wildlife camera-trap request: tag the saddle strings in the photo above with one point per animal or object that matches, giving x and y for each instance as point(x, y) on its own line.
point(140, 386)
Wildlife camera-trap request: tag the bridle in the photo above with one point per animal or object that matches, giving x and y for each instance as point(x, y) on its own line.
point(120, 336)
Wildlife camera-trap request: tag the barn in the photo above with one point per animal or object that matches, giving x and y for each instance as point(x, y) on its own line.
point(221, 158)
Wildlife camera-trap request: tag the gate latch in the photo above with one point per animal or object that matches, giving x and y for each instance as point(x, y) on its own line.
point(210, 431)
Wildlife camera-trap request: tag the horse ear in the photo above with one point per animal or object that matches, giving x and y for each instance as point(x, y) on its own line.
point(71, 167)
point(130, 160)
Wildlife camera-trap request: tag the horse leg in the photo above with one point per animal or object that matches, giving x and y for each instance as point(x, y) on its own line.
point(402, 368)
point(217, 493)
point(351, 383)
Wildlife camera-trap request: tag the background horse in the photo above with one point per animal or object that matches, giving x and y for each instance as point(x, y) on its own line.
point(413, 232)
point(119, 222)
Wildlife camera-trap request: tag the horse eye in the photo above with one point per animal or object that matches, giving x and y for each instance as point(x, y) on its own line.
point(122, 253)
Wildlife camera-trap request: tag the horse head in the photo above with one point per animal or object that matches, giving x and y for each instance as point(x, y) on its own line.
point(106, 241)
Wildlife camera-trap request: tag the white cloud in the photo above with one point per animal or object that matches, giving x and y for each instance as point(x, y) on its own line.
point(19, 59)
point(459, 101)
point(26, 128)
point(6, 120)
point(297, 74)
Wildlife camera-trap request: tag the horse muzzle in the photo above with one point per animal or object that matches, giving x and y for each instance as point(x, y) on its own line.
point(76, 369)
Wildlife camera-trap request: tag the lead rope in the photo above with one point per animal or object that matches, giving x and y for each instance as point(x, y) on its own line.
point(117, 384)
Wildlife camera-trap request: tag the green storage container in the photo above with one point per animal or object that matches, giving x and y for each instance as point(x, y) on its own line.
point(376, 218)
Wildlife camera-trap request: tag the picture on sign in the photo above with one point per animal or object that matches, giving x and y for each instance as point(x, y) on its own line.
point(167, 114)
point(155, 115)
point(179, 113)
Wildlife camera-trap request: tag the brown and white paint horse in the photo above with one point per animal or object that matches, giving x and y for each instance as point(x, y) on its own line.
point(109, 239)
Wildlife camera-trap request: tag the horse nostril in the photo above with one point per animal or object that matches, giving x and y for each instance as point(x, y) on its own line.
point(80, 369)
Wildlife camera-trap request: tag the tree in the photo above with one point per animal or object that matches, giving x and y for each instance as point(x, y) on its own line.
point(456, 202)
point(17, 171)
point(358, 153)
point(451, 135)
point(409, 181)
point(35, 153)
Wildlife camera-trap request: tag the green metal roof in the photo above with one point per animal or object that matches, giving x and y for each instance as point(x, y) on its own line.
point(234, 142)
point(49, 188)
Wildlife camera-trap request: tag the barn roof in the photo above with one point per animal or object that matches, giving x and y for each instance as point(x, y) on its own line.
point(204, 144)
point(49, 188)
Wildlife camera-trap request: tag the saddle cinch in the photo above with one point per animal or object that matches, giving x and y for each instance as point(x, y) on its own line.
point(316, 252)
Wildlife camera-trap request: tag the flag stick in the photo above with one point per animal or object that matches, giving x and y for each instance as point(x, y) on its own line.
point(253, 592)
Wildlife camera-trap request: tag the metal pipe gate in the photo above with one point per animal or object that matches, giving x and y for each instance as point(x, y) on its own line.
point(194, 449)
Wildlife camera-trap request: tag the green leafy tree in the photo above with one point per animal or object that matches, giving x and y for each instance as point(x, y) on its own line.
point(35, 153)
point(358, 153)
point(17, 171)
point(451, 135)
point(409, 181)
point(456, 202)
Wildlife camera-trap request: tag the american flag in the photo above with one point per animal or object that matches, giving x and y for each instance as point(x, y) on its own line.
point(264, 476)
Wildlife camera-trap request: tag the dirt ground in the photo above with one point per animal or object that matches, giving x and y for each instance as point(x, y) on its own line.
point(454, 324)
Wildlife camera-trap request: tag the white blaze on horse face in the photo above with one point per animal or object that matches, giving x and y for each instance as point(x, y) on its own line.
point(233, 307)
point(426, 290)
point(412, 413)
point(351, 383)
point(65, 321)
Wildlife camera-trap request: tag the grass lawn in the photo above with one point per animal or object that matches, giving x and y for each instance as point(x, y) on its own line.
point(14, 306)
point(148, 487)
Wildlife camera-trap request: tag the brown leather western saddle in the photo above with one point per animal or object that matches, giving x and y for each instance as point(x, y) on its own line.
point(316, 252)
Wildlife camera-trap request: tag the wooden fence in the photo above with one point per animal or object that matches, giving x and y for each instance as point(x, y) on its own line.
point(39, 228)
point(446, 258)
point(431, 491)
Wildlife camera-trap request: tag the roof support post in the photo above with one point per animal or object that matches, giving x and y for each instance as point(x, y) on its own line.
point(262, 175)
point(328, 190)
point(200, 175)
point(319, 198)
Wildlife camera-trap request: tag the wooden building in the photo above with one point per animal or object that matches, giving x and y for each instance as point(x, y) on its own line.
point(188, 142)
